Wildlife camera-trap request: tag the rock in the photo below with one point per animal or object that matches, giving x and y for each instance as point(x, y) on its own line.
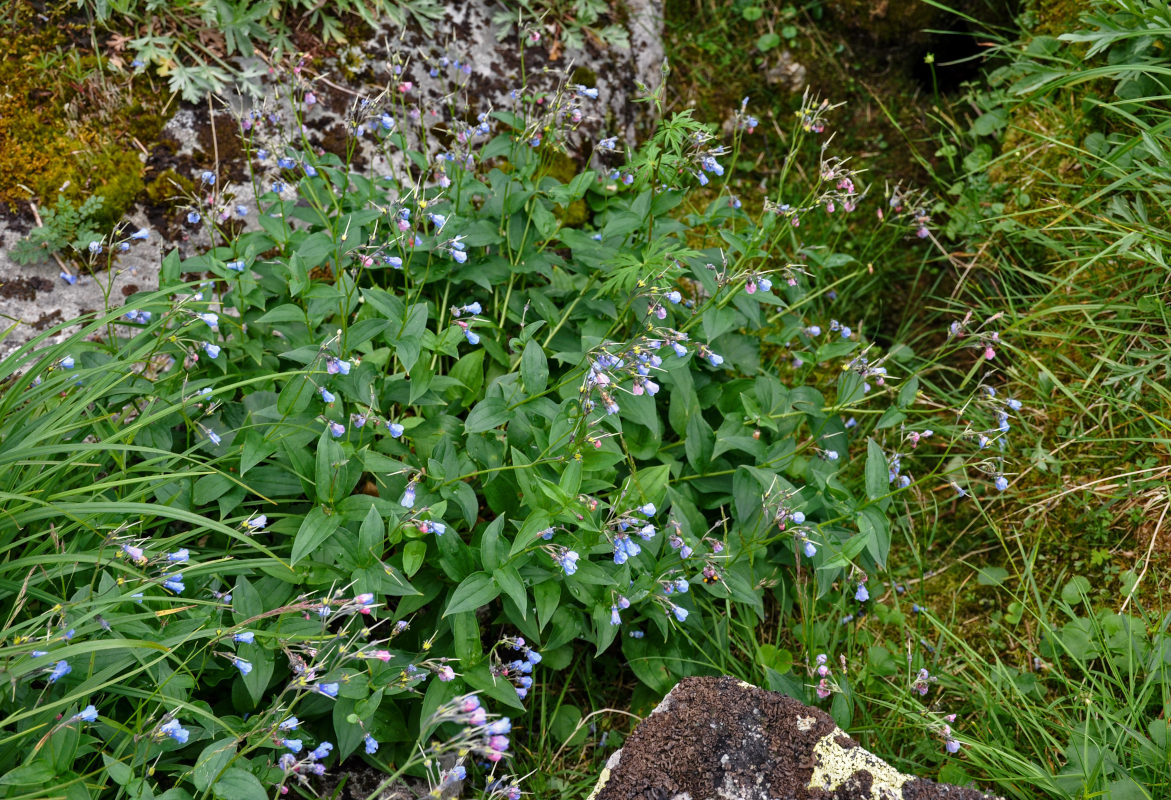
point(34, 297)
point(721, 738)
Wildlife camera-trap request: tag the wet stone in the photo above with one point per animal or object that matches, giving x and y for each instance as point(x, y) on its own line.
point(721, 738)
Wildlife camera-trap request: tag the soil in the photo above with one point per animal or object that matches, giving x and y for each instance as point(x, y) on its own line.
point(709, 743)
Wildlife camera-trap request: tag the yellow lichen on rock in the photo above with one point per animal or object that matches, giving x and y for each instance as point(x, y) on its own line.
point(834, 764)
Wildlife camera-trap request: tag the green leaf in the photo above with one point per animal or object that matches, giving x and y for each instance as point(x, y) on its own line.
point(41, 772)
point(372, 534)
point(330, 457)
point(288, 312)
point(476, 590)
point(315, 530)
point(491, 549)
point(1077, 588)
point(534, 368)
point(908, 392)
point(246, 601)
point(891, 417)
point(767, 42)
point(547, 596)
point(119, 772)
point(489, 413)
point(877, 474)
point(508, 579)
point(465, 634)
point(413, 555)
point(211, 762)
point(237, 784)
point(848, 551)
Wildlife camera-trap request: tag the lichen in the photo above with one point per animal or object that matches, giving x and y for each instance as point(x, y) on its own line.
point(834, 764)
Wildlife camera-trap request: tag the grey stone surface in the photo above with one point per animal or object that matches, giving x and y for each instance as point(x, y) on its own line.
point(34, 297)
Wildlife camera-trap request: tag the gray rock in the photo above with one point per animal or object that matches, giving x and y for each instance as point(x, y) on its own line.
point(722, 738)
point(33, 298)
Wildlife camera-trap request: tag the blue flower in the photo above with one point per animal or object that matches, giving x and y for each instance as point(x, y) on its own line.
point(326, 395)
point(810, 549)
point(212, 350)
point(244, 666)
point(236, 266)
point(647, 510)
point(681, 585)
point(70, 279)
point(473, 337)
point(715, 359)
point(256, 523)
point(194, 217)
point(59, 671)
point(174, 583)
point(179, 555)
point(294, 745)
point(289, 724)
point(393, 261)
point(371, 744)
point(336, 430)
point(67, 362)
point(245, 637)
point(408, 498)
point(87, 714)
point(327, 689)
point(211, 319)
point(175, 731)
point(1001, 483)
point(680, 613)
point(861, 595)
point(615, 618)
point(568, 561)
point(335, 365)
point(325, 748)
point(207, 177)
point(396, 430)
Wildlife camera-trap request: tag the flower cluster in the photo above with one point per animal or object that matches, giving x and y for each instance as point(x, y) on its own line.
point(163, 563)
point(480, 733)
point(517, 671)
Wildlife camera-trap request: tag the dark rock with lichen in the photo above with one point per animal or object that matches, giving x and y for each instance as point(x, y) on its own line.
point(719, 737)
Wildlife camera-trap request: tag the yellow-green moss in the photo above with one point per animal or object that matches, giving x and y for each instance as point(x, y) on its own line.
point(66, 125)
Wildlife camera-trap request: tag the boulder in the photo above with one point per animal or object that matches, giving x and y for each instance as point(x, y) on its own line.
point(472, 34)
point(719, 738)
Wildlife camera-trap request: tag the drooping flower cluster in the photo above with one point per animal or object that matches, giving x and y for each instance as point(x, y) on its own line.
point(518, 671)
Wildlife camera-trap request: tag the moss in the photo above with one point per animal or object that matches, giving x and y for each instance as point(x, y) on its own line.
point(585, 76)
point(66, 120)
point(169, 188)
